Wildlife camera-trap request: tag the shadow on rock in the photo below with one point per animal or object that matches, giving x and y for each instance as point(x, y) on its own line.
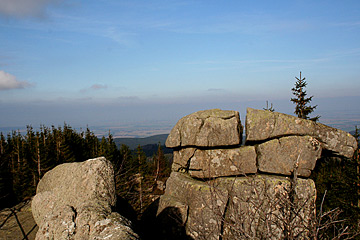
point(125, 209)
point(166, 225)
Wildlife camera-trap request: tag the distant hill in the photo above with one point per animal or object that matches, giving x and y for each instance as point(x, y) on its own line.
point(132, 143)
point(151, 149)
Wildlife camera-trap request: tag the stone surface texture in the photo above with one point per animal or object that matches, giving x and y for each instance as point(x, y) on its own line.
point(262, 125)
point(209, 128)
point(281, 156)
point(199, 204)
point(257, 209)
point(181, 159)
point(223, 162)
point(75, 201)
point(232, 207)
point(221, 190)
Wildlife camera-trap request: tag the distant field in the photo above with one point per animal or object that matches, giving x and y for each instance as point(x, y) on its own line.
point(130, 130)
point(346, 120)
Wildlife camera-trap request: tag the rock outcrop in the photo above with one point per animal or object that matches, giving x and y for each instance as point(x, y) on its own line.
point(258, 191)
point(75, 201)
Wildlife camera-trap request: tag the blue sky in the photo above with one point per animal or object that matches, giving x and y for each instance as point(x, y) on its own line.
point(102, 62)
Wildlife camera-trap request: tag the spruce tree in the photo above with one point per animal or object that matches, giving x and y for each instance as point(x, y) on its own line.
point(160, 169)
point(302, 109)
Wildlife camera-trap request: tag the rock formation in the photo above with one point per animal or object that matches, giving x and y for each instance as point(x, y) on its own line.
point(257, 191)
point(75, 201)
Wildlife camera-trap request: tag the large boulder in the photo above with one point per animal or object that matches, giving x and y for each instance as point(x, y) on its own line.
point(283, 155)
point(264, 125)
point(209, 128)
point(75, 201)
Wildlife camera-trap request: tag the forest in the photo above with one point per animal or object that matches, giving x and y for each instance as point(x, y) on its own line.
point(25, 158)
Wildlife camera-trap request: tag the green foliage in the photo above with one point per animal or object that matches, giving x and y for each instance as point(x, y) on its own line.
point(302, 109)
point(24, 159)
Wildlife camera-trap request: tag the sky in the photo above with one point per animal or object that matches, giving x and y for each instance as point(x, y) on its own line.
point(107, 62)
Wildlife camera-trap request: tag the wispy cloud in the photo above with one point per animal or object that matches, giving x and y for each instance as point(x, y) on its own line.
point(25, 8)
point(121, 37)
point(94, 87)
point(237, 62)
point(9, 81)
point(98, 86)
point(105, 28)
point(347, 24)
point(345, 53)
point(255, 23)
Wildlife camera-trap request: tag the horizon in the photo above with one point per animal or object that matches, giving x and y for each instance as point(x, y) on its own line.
point(125, 63)
point(337, 114)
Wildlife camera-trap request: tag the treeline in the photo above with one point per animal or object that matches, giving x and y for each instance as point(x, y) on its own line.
point(25, 158)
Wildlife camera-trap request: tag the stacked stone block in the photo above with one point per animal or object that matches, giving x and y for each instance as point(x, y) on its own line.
point(223, 189)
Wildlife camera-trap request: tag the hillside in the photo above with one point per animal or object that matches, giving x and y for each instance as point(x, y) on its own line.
point(132, 143)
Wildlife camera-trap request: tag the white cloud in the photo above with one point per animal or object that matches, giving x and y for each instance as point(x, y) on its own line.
point(25, 8)
point(8, 81)
point(94, 87)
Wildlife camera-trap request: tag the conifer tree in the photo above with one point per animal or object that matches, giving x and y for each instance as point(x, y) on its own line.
point(112, 152)
point(91, 144)
point(5, 175)
point(302, 109)
point(159, 164)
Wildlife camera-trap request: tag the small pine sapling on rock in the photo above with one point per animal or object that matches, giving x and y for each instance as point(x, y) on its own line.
point(271, 108)
point(302, 109)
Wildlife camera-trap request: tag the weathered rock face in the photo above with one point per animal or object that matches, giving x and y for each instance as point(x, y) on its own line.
point(262, 125)
point(223, 162)
point(199, 206)
point(75, 201)
point(259, 206)
point(210, 128)
point(215, 162)
point(238, 207)
point(220, 189)
point(281, 156)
